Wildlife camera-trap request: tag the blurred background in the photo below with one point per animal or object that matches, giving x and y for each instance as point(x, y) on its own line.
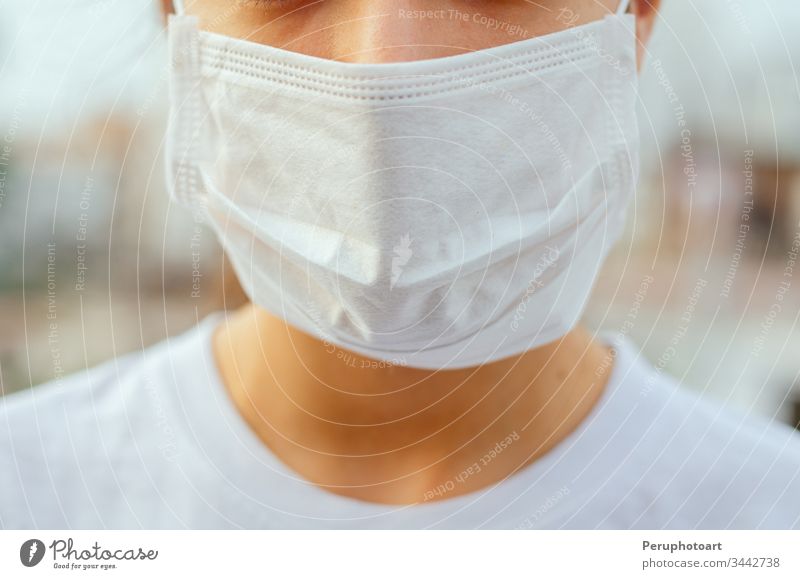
point(95, 261)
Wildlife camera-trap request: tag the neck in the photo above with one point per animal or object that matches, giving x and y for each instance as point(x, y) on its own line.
point(393, 434)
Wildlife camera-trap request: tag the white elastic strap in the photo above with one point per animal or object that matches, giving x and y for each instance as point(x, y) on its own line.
point(623, 6)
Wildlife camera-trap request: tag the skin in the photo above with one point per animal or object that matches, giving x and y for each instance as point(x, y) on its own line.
point(394, 434)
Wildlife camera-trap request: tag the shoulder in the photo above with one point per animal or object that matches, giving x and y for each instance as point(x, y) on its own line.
point(701, 463)
point(70, 445)
point(49, 431)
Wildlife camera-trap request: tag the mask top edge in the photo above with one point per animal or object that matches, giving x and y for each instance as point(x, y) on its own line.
point(547, 45)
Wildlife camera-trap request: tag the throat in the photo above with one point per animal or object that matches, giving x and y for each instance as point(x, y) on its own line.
point(395, 435)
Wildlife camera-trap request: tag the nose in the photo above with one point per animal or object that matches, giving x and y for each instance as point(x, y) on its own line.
point(380, 31)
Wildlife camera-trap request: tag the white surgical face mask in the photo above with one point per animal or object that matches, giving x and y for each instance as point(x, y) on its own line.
point(441, 213)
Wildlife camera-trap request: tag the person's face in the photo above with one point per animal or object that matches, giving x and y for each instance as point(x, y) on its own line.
point(375, 31)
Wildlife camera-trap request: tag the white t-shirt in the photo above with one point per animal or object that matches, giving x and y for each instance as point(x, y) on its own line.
point(152, 440)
